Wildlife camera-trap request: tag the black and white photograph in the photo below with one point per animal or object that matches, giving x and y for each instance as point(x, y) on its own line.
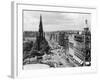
point(55, 39)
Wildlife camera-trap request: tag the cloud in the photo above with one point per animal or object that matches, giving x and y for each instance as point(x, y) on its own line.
point(53, 21)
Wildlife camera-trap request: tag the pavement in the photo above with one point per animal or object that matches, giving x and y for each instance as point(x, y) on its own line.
point(35, 66)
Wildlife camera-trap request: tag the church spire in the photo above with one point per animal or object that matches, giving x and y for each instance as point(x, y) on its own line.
point(41, 45)
point(41, 27)
point(40, 33)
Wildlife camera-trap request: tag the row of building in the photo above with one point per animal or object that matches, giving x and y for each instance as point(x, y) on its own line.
point(81, 46)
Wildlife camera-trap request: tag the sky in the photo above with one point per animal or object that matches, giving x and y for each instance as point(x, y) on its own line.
point(55, 21)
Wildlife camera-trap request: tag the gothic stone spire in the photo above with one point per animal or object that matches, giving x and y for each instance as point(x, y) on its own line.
point(41, 28)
